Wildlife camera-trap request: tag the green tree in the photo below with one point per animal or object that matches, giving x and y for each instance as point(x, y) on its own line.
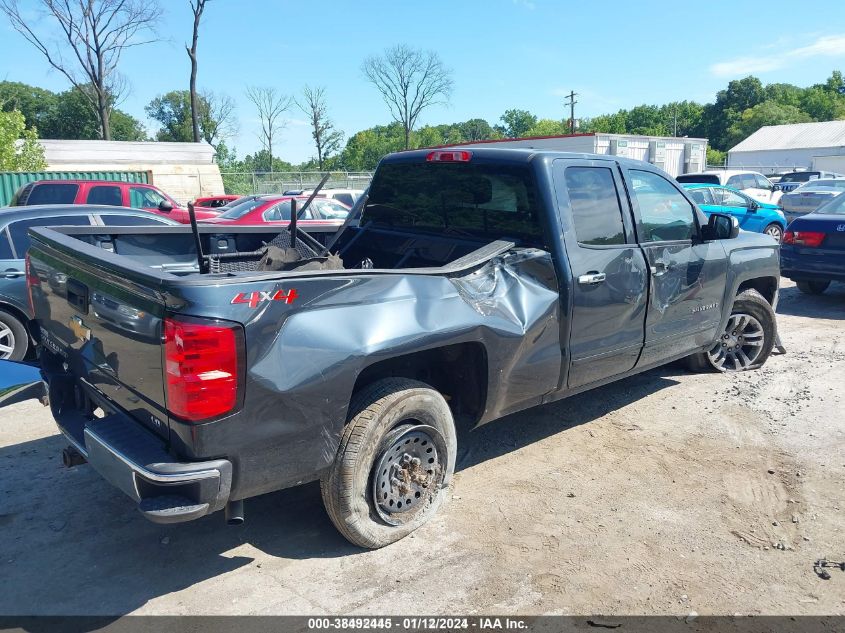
point(172, 110)
point(72, 118)
point(19, 147)
point(476, 130)
point(548, 127)
point(36, 104)
point(516, 123)
point(364, 149)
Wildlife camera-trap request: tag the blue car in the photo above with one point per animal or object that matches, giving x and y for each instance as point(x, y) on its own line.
point(813, 250)
point(16, 323)
point(753, 215)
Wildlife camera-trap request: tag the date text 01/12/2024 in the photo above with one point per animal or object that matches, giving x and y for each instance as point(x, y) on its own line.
point(418, 623)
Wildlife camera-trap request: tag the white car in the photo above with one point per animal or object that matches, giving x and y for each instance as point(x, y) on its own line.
point(344, 196)
point(752, 183)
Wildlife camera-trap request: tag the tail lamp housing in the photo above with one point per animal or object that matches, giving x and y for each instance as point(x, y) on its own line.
point(449, 156)
point(812, 239)
point(203, 368)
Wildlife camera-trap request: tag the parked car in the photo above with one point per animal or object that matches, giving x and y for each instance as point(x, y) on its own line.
point(810, 196)
point(215, 202)
point(536, 278)
point(346, 196)
point(793, 180)
point(813, 249)
point(275, 209)
point(15, 311)
point(752, 183)
point(104, 192)
point(760, 217)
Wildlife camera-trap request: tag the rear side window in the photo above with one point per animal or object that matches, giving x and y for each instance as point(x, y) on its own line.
point(701, 196)
point(18, 230)
point(279, 212)
point(105, 194)
point(131, 220)
point(52, 193)
point(594, 200)
point(665, 214)
point(480, 200)
point(5, 246)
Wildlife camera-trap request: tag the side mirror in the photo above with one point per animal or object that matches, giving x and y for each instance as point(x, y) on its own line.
point(721, 227)
point(753, 206)
point(165, 207)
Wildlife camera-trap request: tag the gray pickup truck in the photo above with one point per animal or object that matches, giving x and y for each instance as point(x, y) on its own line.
point(195, 370)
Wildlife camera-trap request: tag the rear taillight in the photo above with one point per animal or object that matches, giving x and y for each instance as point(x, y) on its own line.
point(32, 281)
point(813, 239)
point(203, 367)
point(440, 156)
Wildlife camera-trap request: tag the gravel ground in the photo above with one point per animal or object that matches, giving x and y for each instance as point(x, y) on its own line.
point(665, 493)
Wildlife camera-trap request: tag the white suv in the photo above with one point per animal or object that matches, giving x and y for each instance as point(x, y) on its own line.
point(753, 183)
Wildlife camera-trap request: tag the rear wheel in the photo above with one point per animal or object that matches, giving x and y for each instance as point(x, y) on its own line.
point(775, 231)
point(747, 340)
point(14, 340)
point(812, 287)
point(394, 463)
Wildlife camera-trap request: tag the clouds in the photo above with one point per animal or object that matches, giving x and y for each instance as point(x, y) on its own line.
point(824, 46)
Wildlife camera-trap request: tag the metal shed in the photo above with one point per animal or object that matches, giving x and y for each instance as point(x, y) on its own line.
point(798, 146)
point(184, 170)
point(674, 155)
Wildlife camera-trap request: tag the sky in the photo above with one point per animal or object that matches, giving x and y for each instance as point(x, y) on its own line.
point(503, 53)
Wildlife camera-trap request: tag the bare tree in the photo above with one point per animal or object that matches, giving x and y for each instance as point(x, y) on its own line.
point(327, 139)
point(409, 81)
point(270, 105)
point(92, 34)
point(217, 120)
point(197, 7)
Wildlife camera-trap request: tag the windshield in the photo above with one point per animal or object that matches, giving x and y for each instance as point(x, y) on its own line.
point(478, 200)
point(834, 207)
point(803, 176)
point(240, 208)
point(824, 185)
point(710, 179)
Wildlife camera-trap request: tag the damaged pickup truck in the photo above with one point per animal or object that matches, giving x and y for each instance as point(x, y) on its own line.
point(194, 370)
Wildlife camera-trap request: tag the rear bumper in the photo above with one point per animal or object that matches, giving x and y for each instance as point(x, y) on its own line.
point(135, 461)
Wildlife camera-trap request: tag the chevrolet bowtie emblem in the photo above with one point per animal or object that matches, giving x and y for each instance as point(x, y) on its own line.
point(81, 332)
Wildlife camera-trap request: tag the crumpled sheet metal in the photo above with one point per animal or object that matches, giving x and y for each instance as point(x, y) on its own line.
point(509, 305)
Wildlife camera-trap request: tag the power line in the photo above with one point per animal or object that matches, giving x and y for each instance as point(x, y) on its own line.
point(571, 103)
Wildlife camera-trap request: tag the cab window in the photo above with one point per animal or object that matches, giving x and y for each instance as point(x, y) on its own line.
point(145, 198)
point(278, 213)
point(5, 246)
point(105, 194)
point(596, 210)
point(665, 214)
point(730, 198)
point(701, 196)
point(52, 193)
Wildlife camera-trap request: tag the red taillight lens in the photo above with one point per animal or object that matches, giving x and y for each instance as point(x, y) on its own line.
point(203, 367)
point(813, 239)
point(449, 156)
point(32, 281)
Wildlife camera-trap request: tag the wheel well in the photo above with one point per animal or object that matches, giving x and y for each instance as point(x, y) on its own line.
point(766, 286)
point(20, 316)
point(457, 371)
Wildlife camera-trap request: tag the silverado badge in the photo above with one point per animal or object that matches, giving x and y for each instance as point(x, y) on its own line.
point(81, 332)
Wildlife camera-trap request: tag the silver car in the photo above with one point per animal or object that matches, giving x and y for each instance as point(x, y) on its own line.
point(809, 196)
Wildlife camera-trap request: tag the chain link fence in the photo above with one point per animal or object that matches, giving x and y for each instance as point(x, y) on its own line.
point(259, 183)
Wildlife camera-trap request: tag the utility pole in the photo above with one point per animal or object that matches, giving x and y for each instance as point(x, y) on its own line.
point(571, 103)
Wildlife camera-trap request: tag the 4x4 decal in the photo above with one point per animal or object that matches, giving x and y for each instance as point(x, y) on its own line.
point(254, 298)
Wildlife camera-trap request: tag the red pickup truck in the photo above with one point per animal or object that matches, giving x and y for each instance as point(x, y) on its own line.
point(104, 192)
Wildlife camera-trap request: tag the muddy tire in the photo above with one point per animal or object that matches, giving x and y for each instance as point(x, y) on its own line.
point(394, 464)
point(812, 287)
point(747, 340)
point(14, 339)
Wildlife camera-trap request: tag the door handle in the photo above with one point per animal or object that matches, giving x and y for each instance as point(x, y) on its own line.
point(11, 273)
point(592, 278)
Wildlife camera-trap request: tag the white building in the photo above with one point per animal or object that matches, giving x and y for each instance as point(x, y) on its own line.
point(674, 155)
point(184, 170)
point(798, 146)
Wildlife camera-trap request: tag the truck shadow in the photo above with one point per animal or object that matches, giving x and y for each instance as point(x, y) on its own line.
point(75, 545)
point(830, 305)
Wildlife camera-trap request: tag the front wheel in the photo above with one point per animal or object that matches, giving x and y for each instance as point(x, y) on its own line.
point(14, 340)
point(775, 231)
point(394, 463)
point(747, 340)
point(812, 287)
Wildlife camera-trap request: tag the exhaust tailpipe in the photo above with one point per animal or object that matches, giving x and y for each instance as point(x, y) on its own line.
point(235, 512)
point(72, 457)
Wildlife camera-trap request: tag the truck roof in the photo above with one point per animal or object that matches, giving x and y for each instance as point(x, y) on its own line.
point(512, 154)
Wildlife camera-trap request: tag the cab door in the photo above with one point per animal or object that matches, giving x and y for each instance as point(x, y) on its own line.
point(686, 275)
point(609, 271)
point(739, 206)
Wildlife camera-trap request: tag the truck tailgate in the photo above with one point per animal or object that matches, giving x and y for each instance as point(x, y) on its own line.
point(106, 330)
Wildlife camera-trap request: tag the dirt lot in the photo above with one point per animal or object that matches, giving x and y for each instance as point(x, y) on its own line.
point(665, 493)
